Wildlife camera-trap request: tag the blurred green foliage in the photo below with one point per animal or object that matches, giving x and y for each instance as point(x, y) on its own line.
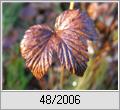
point(10, 15)
point(15, 77)
point(97, 76)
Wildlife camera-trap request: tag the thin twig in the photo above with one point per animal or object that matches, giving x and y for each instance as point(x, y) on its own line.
point(62, 77)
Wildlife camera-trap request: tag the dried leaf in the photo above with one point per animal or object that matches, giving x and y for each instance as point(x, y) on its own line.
point(36, 48)
point(76, 21)
point(69, 41)
point(74, 29)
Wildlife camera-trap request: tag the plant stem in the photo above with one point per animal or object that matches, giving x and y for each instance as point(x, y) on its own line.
point(51, 77)
point(62, 68)
point(62, 77)
point(71, 5)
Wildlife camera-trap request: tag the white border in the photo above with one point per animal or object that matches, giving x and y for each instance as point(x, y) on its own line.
point(1, 54)
point(118, 45)
point(62, 1)
point(58, 90)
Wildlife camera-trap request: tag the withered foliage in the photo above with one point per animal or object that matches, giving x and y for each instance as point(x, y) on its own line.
point(68, 41)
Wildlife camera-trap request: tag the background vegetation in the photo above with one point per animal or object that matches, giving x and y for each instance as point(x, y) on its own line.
point(102, 71)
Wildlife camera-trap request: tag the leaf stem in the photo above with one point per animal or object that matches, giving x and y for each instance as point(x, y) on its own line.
point(62, 77)
point(62, 68)
point(71, 5)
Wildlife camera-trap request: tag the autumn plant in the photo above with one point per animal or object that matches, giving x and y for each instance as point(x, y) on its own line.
point(68, 42)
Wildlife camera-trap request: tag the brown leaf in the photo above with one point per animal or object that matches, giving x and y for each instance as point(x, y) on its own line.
point(74, 29)
point(76, 21)
point(69, 41)
point(36, 48)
